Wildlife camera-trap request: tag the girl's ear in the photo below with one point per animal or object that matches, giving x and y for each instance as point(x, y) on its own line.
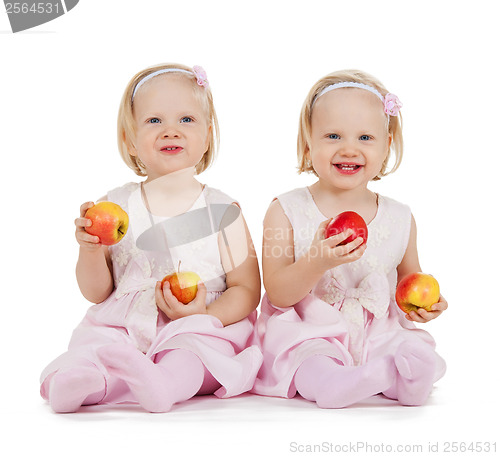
point(131, 149)
point(307, 153)
point(209, 134)
point(389, 143)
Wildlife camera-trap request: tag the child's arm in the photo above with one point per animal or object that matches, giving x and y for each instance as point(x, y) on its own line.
point(409, 265)
point(94, 268)
point(288, 281)
point(240, 264)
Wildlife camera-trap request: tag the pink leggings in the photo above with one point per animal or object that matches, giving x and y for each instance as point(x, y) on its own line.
point(407, 376)
point(174, 376)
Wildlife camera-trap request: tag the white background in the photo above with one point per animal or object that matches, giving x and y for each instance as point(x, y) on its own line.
point(60, 88)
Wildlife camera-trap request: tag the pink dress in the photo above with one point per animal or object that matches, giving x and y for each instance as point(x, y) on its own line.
point(130, 316)
point(351, 314)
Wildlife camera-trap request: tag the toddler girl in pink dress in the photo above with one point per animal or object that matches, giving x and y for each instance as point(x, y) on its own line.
point(138, 343)
point(329, 327)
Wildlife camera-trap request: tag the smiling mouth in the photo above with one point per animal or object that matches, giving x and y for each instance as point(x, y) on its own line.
point(171, 149)
point(347, 166)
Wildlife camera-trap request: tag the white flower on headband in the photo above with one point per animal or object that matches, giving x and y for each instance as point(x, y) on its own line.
point(392, 105)
point(201, 76)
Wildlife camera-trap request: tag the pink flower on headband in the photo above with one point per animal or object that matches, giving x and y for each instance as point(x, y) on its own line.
point(392, 105)
point(201, 76)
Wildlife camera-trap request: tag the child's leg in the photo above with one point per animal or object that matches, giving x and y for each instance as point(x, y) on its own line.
point(177, 375)
point(71, 387)
point(331, 385)
point(416, 366)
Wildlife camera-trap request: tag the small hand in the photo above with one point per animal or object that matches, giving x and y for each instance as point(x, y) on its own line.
point(86, 240)
point(424, 316)
point(174, 309)
point(327, 253)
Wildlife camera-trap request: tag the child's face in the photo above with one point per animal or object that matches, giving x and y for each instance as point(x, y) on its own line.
point(172, 129)
point(349, 137)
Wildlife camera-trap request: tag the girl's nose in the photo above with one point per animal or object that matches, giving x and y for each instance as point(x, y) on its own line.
point(349, 150)
point(170, 132)
point(350, 147)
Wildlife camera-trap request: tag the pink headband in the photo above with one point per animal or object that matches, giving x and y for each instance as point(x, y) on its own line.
point(198, 71)
point(392, 105)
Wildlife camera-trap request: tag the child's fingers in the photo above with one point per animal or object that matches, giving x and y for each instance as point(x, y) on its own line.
point(353, 255)
point(441, 305)
point(82, 222)
point(336, 239)
point(160, 299)
point(358, 251)
point(350, 248)
point(170, 299)
point(353, 245)
point(428, 316)
point(422, 316)
point(85, 207)
point(201, 294)
point(84, 237)
point(414, 316)
point(320, 232)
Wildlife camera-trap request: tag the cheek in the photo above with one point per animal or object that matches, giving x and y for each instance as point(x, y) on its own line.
point(382, 155)
point(144, 140)
point(140, 140)
point(314, 150)
point(321, 151)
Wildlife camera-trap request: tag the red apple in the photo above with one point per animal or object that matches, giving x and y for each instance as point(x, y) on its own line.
point(109, 222)
point(344, 221)
point(183, 285)
point(417, 290)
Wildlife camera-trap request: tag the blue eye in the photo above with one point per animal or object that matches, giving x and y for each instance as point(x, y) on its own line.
point(186, 120)
point(154, 120)
point(334, 136)
point(364, 138)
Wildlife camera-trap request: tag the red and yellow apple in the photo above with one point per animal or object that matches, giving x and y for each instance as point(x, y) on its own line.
point(344, 221)
point(417, 290)
point(109, 222)
point(183, 285)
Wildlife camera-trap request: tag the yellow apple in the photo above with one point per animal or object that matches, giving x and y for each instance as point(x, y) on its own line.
point(417, 290)
point(109, 222)
point(184, 285)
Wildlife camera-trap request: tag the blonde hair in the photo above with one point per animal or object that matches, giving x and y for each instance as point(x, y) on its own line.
point(126, 122)
point(304, 136)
